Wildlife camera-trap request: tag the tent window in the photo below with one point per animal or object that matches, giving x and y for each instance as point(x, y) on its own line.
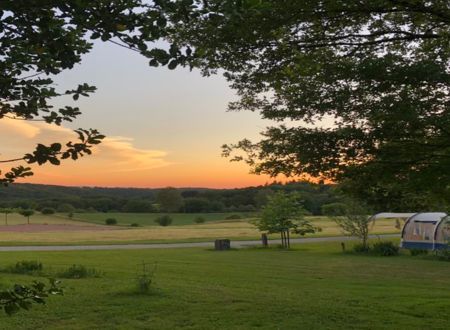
point(417, 228)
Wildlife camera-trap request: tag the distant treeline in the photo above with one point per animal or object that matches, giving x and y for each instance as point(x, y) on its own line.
point(136, 200)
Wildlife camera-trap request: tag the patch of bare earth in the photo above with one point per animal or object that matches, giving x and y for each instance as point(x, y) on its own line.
point(38, 228)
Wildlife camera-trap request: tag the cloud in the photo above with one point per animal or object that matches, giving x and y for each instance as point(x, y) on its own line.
point(114, 155)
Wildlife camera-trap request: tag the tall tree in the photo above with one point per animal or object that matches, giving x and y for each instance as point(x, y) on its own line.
point(361, 87)
point(27, 213)
point(6, 211)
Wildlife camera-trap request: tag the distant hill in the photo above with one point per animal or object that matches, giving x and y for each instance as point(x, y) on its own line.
point(199, 200)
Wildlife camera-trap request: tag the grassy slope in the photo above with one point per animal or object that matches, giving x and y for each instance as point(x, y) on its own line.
point(312, 287)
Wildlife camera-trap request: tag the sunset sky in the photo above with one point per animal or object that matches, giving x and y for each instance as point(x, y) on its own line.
point(164, 128)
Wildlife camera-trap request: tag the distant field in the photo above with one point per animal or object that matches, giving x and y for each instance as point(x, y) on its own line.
point(313, 286)
point(183, 230)
point(148, 219)
point(17, 219)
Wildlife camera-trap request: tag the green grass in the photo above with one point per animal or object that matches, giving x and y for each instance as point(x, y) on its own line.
point(313, 286)
point(148, 219)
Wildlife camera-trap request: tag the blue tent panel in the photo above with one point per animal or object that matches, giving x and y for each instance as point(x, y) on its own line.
point(417, 245)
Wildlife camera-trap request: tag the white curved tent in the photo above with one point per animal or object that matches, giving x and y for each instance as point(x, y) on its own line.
point(442, 234)
point(427, 230)
point(421, 229)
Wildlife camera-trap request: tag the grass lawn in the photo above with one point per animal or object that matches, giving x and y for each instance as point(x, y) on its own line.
point(212, 229)
point(310, 287)
point(148, 219)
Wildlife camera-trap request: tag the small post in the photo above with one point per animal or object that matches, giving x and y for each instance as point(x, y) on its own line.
point(265, 241)
point(222, 244)
point(343, 246)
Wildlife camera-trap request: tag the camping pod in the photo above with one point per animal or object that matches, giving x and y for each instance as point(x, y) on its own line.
point(442, 234)
point(424, 231)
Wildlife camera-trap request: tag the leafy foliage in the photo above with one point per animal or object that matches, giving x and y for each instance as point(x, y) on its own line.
point(199, 220)
point(164, 220)
point(443, 254)
point(48, 210)
point(111, 221)
point(79, 271)
point(146, 278)
point(23, 296)
point(27, 213)
point(25, 267)
point(42, 39)
point(137, 200)
point(376, 70)
point(6, 211)
point(356, 222)
point(233, 217)
point(283, 214)
point(361, 248)
point(418, 252)
point(169, 199)
point(385, 249)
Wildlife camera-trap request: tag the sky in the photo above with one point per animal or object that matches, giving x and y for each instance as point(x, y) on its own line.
point(163, 128)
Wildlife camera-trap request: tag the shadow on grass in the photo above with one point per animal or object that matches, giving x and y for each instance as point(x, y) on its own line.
point(135, 292)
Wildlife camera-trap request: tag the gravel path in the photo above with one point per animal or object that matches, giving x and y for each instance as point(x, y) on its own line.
point(234, 244)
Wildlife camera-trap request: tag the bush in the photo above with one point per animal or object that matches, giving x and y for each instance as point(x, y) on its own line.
point(65, 208)
point(48, 210)
point(146, 278)
point(233, 217)
point(25, 267)
point(360, 248)
point(111, 221)
point(443, 254)
point(199, 220)
point(135, 225)
point(79, 271)
point(386, 248)
point(418, 252)
point(164, 220)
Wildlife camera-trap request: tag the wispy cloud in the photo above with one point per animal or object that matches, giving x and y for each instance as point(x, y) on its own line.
point(114, 154)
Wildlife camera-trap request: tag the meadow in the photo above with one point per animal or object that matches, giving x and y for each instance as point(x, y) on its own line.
point(312, 286)
point(183, 229)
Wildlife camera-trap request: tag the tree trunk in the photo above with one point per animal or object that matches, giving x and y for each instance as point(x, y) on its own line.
point(288, 239)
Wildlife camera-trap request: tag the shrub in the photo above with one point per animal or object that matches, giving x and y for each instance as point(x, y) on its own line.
point(65, 208)
point(135, 225)
point(25, 267)
point(146, 278)
point(199, 220)
point(48, 210)
point(443, 254)
point(111, 221)
point(233, 217)
point(79, 271)
point(418, 252)
point(385, 248)
point(360, 248)
point(164, 220)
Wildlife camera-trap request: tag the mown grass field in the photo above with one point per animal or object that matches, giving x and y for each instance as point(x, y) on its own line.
point(188, 231)
point(148, 219)
point(310, 287)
